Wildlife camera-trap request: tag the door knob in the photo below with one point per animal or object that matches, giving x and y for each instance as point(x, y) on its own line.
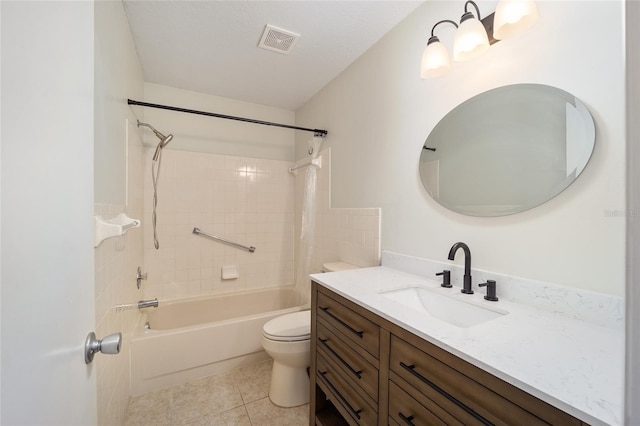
point(109, 345)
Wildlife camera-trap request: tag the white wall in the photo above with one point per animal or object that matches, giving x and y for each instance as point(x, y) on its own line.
point(216, 135)
point(378, 114)
point(119, 162)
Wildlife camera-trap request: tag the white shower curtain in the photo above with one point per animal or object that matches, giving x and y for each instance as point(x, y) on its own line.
point(307, 228)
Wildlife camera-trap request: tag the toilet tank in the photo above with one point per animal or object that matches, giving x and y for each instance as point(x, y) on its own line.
point(337, 266)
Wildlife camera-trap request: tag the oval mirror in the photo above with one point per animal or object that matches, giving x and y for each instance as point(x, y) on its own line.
point(507, 150)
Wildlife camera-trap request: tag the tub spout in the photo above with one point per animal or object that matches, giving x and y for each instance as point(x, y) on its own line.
point(148, 303)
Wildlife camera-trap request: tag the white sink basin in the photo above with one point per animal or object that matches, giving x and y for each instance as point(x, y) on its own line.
point(445, 308)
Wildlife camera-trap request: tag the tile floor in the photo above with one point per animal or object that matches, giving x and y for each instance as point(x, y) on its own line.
point(238, 397)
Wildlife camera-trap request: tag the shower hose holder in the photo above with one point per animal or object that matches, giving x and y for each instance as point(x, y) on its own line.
point(114, 227)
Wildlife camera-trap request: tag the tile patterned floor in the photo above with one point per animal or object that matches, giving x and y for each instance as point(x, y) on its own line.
point(238, 397)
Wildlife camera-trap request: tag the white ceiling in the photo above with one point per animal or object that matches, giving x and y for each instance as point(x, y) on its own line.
point(211, 46)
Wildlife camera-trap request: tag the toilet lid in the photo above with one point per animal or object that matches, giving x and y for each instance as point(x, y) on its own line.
point(289, 327)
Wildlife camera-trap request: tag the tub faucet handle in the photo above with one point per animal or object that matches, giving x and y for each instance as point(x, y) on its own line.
point(140, 276)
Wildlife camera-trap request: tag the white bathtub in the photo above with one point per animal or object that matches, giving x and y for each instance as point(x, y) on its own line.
point(194, 338)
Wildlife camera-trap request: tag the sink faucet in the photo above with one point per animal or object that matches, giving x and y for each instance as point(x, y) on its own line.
point(466, 287)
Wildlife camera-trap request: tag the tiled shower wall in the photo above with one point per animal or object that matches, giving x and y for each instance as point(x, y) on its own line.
point(350, 235)
point(116, 261)
point(246, 200)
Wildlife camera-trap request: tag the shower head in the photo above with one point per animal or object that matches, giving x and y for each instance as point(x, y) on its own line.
point(164, 140)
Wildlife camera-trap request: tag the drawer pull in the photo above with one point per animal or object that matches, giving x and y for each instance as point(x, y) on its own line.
point(342, 399)
point(347, 326)
point(411, 369)
point(407, 420)
point(357, 373)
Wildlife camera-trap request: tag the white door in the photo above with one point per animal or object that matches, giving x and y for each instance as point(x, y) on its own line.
point(46, 165)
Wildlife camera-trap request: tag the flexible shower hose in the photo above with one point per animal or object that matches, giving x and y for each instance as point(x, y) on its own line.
point(155, 175)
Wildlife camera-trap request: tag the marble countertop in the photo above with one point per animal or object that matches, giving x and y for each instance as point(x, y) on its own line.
point(571, 364)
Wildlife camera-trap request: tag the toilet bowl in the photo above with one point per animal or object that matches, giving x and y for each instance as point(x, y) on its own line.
point(287, 339)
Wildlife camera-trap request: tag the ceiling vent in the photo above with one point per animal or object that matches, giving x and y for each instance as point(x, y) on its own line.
point(278, 40)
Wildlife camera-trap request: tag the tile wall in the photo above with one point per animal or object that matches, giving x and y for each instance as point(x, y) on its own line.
point(350, 235)
point(246, 200)
point(116, 261)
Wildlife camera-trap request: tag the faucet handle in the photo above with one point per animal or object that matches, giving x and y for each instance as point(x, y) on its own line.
point(491, 290)
point(446, 278)
point(140, 276)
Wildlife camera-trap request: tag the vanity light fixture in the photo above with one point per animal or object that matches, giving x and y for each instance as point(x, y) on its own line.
point(474, 35)
point(435, 58)
point(513, 16)
point(471, 39)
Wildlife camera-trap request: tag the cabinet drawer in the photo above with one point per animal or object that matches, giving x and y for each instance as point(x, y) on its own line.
point(352, 364)
point(445, 410)
point(407, 411)
point(393, 422)
point(428, 374)
point(344, 396)
point(362, 331)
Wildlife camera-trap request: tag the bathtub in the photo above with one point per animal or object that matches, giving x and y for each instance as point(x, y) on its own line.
point(192, 338)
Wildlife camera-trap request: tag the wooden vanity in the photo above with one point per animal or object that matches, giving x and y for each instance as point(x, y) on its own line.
point(366, 370)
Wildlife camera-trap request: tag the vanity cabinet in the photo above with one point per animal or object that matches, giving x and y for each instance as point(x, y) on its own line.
point(345, 359)
point(366, 370)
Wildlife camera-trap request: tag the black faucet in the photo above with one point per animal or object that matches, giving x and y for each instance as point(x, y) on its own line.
point(466, 287)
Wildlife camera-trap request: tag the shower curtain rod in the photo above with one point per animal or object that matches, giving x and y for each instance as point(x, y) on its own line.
point(317, 132)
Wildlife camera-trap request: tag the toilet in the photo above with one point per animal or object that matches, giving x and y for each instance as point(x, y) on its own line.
point(287, 340)
point(337, 266)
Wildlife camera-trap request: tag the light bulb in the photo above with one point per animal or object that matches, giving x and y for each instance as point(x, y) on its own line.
point(470, 40)
point(435, 59)
point(513, 16)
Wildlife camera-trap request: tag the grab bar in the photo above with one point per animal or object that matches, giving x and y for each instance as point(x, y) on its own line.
point(197, 231)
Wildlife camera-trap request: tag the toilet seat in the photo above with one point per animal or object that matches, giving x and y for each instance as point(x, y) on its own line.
point(292, 327)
